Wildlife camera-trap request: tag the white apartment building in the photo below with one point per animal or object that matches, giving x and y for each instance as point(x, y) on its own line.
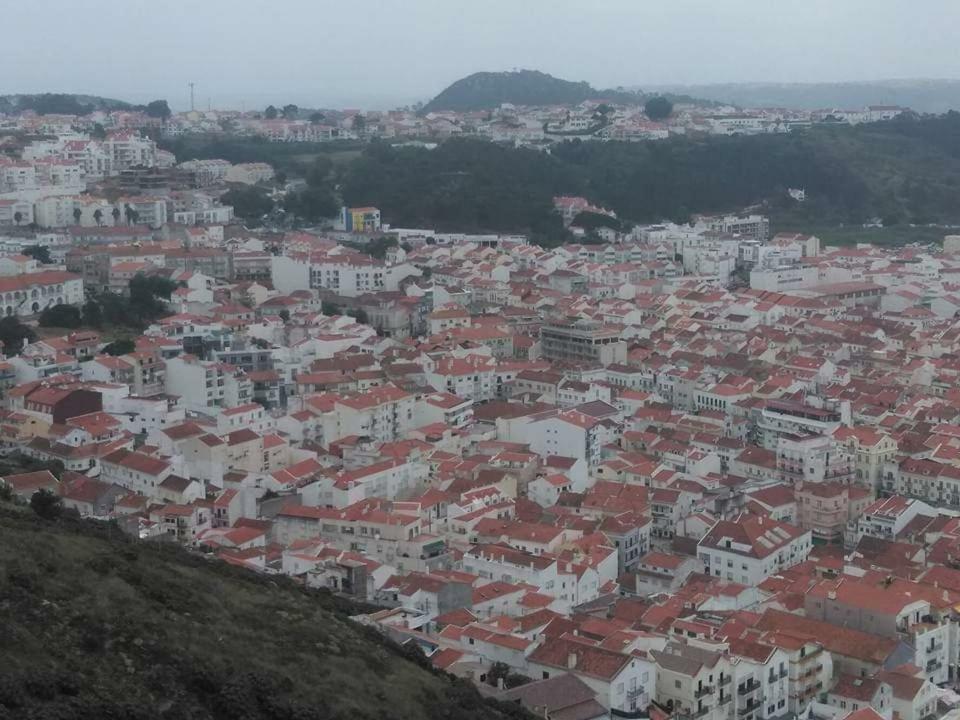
point(761, 674)
point(812, 458)
point(382, 414)
point(751, 548)
point(569, 433)
point(470, 377)
point(696, 682)
point(887, 517)
point(207, 386)
point(783, 278)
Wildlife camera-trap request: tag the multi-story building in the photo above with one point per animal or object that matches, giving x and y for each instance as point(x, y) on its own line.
point(360, 219)
point(826, 508)
point(761, 675)
point(384, 414)
point(812, 458)
point(583, 342)
point(31, 293)
point(871, 451)
point(752, 548)
point(886, 518)
point(694, 682)
point(207, 386)
point(788, 417)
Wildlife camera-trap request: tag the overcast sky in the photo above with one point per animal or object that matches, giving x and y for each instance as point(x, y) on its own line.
point(374, 54)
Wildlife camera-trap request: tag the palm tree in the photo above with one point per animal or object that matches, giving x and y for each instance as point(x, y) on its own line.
point(127, 212)
point(77, 212)
point(18, 217)
point(116, 214)
point(98, 216)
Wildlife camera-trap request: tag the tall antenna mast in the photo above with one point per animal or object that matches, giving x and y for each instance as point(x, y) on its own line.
point(191, 96)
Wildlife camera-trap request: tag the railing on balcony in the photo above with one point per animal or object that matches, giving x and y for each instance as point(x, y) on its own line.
point(748, 687)
point(702, 691)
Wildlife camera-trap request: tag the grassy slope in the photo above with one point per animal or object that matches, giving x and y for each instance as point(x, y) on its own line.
point(103, 627)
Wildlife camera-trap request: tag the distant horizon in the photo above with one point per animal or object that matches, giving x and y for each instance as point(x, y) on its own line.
point(258, 101)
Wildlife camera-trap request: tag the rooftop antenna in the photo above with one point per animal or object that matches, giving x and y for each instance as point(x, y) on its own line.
point(191, 96)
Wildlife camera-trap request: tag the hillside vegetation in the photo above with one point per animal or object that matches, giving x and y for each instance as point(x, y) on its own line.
point(488, 90)
point(901, 171)
point(60, 104)
point(96, 626)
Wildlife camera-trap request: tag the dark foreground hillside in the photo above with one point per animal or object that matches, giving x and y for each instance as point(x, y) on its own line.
point(94, 626)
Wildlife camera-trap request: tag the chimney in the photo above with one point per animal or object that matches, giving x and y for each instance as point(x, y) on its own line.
point(571, 660)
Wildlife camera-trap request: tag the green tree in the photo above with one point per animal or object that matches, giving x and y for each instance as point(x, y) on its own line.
point(284, 315)
point(120, 346)
point(92, 313)
point(13, 333)
point(40, 253)
point(318, 174)
point(330, 308)
point(359, 123)
point(46, 505)
point(270, 113)
point(312, 204)
point(17, 217)
point(158, 109)
point(317, 117)
point(98, 216)
point(64, 316)
point(360, 315)
point(77, 213)
point(98, 132)
point(290, 111)
point(658, 108)
point(248, 202)
point(115, 213)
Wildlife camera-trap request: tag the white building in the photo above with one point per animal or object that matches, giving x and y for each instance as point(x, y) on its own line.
point(751, 548)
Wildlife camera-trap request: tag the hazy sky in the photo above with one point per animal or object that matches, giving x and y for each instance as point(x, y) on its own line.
point(370, 54)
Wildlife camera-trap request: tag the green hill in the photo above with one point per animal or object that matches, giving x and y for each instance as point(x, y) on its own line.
point(488, 90)
point(97, 626)
point(902, 171)
point(60, 104)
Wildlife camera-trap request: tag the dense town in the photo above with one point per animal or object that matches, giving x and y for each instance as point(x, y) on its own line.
point(697, 470)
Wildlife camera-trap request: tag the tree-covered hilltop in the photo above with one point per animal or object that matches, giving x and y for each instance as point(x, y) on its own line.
point(487, 90)
point(72, 104)
point(902, 171)
point(60, 104)
point(98, 626)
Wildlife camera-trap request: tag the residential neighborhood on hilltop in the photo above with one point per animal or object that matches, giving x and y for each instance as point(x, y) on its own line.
point(698, 469)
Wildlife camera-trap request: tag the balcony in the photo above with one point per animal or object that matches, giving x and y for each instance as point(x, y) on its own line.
point(748, 687)
point(783, 673)
point(934, 664)
point(724, 699)
point(725, 680)
point(703, 691)
point(748, 708)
